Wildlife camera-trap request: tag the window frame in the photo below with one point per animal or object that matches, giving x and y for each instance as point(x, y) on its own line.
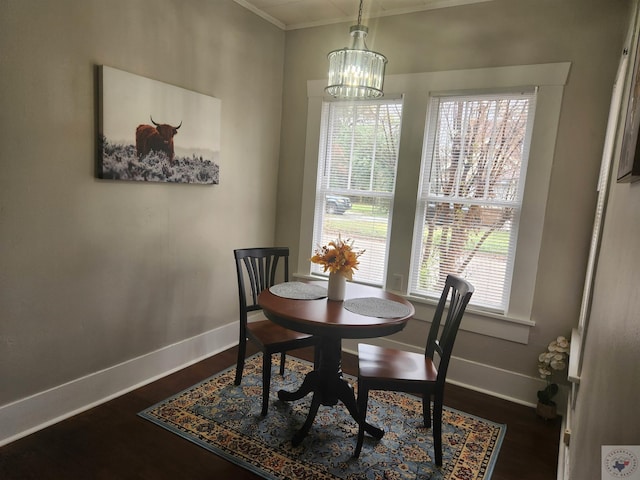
point(423, 198)
point(550, 80)
point(323, 189)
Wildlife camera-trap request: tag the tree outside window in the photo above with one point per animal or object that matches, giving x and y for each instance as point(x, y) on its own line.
point(470, 197)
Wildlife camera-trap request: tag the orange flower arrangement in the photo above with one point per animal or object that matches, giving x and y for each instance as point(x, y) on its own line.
point(338, 257)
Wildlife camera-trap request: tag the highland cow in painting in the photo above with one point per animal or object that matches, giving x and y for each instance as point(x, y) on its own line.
point(158, 138)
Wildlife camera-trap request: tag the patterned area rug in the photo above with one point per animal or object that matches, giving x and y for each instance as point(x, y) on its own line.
point(225, 419)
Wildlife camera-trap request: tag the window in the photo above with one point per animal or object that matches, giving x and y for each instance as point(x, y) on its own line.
point(470, 195)
point(515, 201)
point(357, 161)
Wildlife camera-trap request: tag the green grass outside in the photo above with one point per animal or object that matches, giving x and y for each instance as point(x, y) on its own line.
point(352, 225)
point(365, 209)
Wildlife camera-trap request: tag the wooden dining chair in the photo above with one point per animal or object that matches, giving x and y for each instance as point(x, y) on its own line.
point(424, 373)
point(257, 269)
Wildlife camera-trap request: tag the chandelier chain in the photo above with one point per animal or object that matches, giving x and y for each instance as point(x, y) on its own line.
point(360, 13)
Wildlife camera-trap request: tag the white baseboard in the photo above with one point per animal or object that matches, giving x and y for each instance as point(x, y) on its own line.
point(40, 410)
point(33, 413)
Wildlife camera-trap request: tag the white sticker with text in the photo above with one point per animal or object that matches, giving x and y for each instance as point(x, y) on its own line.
point(621, 461)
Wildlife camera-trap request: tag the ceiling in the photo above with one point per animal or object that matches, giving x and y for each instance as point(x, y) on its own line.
point(295, 14)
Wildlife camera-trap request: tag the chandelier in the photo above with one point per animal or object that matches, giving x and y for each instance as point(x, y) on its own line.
point(356, 72)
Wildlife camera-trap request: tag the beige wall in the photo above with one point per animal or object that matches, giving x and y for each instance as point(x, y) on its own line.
point(93, 273)
point(589, 34)
point(606, 410)
point(607, 404)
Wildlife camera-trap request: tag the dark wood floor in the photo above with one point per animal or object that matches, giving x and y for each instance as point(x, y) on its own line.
point(112, 442)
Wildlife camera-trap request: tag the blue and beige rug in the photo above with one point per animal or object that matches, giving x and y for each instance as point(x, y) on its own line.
point(225, 419)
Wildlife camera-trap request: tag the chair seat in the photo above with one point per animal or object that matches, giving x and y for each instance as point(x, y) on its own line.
point(378, 363)
point(274, 336)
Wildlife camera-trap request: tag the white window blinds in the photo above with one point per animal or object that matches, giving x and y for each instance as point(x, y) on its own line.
point(357, 163)
point(470, 195)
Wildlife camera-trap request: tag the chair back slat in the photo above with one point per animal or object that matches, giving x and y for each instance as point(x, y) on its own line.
point(455, 298)
point(257, 270)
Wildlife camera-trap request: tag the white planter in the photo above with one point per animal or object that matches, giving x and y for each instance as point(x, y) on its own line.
point(337, 286)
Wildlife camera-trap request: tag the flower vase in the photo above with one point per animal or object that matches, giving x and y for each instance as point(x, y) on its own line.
point(337, 286)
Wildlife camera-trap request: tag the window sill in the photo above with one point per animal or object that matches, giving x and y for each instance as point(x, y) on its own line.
point(480, 321)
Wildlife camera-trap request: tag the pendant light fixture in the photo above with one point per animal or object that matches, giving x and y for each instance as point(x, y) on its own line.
point(356, 72)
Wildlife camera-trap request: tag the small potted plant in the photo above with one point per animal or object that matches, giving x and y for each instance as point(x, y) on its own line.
point(552, 360)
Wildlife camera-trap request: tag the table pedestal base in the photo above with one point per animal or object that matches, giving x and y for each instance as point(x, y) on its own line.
point(328, 387)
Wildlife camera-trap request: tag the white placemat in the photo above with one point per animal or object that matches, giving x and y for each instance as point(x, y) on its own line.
point(298, 291)
point(376, 307)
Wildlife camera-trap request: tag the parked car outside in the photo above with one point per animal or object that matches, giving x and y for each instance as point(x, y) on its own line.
point(337, 204)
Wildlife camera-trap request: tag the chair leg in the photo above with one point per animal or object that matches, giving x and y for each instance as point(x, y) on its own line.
point(242, 350)
point(437, 428)
point(283, 357)
point(363, 397)
point(426, 409)
point(266, 382)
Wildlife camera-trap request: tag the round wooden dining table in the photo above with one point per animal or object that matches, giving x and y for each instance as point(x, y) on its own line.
point(330, 321)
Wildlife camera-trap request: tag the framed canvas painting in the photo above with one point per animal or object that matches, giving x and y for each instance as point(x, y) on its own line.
point(151, 131)
point(629, 166)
